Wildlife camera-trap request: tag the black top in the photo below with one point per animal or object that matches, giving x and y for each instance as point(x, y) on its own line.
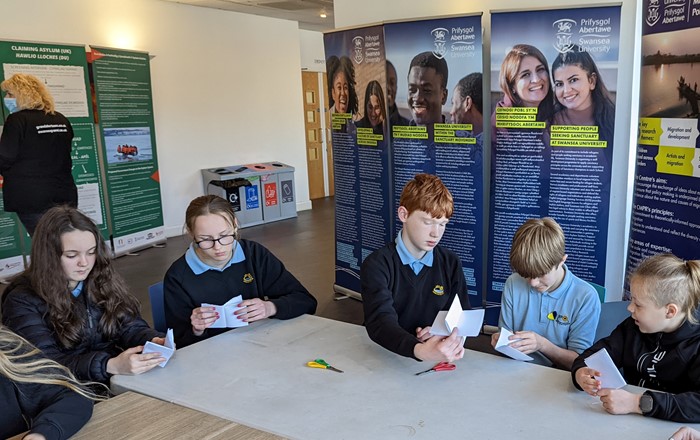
point(668, 362)
point(260, 275)
point(51, 410)
point(26, 314)
point(35, 161)
point(396, 301)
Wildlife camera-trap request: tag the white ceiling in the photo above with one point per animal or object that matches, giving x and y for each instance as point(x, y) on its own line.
point(306, 12)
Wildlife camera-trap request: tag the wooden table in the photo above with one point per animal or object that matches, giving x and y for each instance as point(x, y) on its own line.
point(257, 376)
point(135, 416)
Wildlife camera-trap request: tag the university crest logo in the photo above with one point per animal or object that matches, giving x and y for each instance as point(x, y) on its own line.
point(564, 31)
point(439, 42)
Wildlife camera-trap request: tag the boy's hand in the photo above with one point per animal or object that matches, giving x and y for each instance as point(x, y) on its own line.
point(619, 401)
point(494, 339)
point(423, 333)
point(585, 378)
point(439, 349)
point(529, 342)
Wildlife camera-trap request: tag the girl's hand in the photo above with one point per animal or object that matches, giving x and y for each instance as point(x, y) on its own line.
point(132, 361)
point(585, 378)
point(202, 318)
point(255, 309)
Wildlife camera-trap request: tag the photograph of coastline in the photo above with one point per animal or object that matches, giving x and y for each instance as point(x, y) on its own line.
point(670, 75)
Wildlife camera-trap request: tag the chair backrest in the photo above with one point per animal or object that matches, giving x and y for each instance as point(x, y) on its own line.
point(611, 314)
point(155, 294)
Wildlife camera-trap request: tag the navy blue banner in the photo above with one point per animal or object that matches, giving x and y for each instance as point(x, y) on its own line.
point(357, 92)
point(553, 83)
point(434, 65)
point(667, 179)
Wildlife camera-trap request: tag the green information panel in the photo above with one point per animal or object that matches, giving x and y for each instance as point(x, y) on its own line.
point(123, 90)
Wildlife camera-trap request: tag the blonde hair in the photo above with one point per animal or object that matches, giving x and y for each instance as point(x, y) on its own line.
point(426, 192)
point(671, 280)
point(30, 92)
point(22, 362)
point(538, 246)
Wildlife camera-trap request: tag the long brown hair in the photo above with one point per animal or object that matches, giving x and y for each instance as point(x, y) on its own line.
point(104, 287)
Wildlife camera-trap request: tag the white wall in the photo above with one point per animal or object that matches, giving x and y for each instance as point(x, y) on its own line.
point(226, 86)
point(349, 13)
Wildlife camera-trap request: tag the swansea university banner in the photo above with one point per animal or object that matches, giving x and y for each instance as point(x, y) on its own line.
point(357, 92)
point(434, 65)
point(553, 83)
point(124, 105)
point(667, 180)
point(63, 69)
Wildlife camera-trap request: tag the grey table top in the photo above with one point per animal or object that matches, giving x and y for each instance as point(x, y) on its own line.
point(257, 376)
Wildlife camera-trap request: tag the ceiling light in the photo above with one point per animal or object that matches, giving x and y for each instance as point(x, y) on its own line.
point(323, 13)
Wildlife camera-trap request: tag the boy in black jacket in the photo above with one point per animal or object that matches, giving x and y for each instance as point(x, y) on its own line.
point(407, 282)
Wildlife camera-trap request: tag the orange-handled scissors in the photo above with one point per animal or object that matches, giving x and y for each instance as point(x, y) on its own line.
point(320, 363)
point(442, 366)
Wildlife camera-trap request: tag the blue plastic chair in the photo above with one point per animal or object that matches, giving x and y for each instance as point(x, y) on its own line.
point(611, 315)
point(155, 294)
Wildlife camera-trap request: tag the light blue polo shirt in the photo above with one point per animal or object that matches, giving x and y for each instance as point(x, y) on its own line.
point(408, 259)
point(567, 317)
point(199, 267)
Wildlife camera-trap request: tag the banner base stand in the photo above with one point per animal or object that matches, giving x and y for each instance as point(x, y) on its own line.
point(346, 293)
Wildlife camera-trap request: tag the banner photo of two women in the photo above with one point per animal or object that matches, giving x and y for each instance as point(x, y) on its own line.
point(553, 83)
point(406, 98)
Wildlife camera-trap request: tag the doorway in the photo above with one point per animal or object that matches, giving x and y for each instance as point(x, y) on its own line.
point(319, 150)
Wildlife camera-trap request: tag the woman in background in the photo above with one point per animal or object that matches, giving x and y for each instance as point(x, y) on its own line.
point(375, 108)
point(582, 98)
point(35, 151)
point(524, 80)
point(73, 306)
point(37, 394)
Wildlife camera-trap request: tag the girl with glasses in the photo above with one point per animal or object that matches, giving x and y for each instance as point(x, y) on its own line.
point(217, 267)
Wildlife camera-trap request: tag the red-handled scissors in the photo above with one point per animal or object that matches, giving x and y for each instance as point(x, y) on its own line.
point(442, 366)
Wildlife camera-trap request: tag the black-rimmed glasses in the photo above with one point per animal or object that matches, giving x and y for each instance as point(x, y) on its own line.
point(224, 240)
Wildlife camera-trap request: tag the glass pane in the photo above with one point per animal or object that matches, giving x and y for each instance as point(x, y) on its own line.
point(310, 97)
point(310, 116)
point(312, 136)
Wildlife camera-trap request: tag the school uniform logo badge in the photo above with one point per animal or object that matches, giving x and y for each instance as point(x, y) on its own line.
point(558, 318)
point(248, 278)
point(439, 290)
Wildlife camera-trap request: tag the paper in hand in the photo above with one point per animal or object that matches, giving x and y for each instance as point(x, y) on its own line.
point(226, 317)
point(468, 322)
point(165, 351)
point(610, 376)
point(503, 346)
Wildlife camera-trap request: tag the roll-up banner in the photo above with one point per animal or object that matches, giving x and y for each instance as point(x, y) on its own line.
point(553, 86)
point(433, 130)
point(397, 109)
point(63, 69)
point(122, 81)
point(667, 179)
point(357, 93)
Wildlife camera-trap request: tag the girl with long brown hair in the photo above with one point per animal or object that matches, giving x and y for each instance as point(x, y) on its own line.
point(73, 306)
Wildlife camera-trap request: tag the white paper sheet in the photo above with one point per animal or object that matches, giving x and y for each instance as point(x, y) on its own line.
point(610, 376)
point(226, 317)
point(166, 350)
point(468, 322)
point(503, 346)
